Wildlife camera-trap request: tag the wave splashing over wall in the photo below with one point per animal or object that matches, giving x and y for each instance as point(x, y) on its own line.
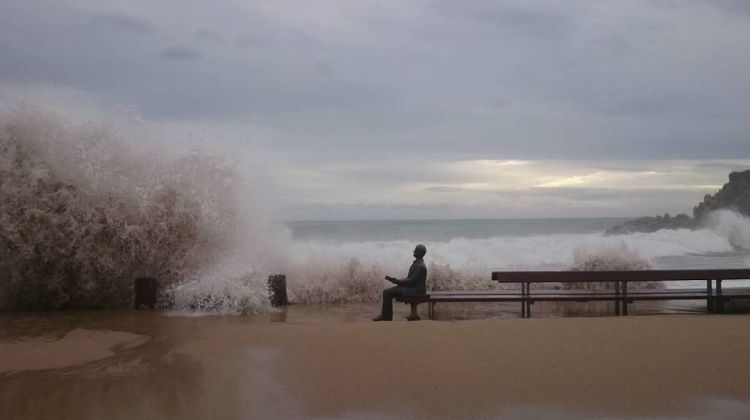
point(732, 225)
point(84, 209)
point(608, 258)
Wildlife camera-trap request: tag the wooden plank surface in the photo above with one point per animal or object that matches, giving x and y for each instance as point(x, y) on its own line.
point(612, 276)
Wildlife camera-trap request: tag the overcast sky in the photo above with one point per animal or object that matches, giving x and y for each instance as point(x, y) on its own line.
point(389, 109)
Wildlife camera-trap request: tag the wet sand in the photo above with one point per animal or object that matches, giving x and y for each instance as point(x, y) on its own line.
point(158, 366)
point(76, 347)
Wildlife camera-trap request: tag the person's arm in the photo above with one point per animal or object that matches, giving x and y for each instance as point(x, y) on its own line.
point(410, 281)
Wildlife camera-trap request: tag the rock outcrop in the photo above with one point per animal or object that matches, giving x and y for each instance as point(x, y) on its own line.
point(652, 224)
point(734, 195)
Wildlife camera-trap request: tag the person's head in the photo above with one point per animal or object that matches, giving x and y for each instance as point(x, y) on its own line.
point(419, 251)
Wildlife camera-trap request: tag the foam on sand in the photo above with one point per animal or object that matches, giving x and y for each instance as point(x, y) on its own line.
point(76, 347)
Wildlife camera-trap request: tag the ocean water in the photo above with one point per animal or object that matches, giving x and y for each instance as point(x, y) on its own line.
point(88, 203)
point(463, 253)
point(443, 230)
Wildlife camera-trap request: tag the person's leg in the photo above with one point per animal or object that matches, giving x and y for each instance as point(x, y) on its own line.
point(386, 313)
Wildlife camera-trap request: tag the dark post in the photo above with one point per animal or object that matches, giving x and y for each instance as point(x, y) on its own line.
point(277, 290)
point(145, 292)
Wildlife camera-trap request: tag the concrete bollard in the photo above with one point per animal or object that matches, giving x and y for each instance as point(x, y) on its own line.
point(145, 289)
point(277, 290)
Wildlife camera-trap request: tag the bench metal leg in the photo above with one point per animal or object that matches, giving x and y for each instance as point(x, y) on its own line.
point(709, 296)
point(617, 298)
point(531, 302)
point(430, 310)
point(624, 298)
point(720, 300)
point(525, 303)
point(413, 316)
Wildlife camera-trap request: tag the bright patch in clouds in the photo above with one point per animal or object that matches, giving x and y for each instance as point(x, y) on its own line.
point(427, 108)
point(576, 180)
point(540, 188)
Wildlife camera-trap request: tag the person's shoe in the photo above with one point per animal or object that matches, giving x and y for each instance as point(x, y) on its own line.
point(380, 318)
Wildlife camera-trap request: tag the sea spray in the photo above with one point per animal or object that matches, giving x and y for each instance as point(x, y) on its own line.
point(609, 258)
point(87, 204)
point(221, 293)
point(326, 272)
point(619, 257)
point(731, 225)
point(349, 281)
point(84, 209)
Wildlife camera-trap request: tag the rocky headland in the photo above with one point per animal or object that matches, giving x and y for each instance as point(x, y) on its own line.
point(734, 195)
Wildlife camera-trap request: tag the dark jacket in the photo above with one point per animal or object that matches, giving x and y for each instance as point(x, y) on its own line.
point(415, 282)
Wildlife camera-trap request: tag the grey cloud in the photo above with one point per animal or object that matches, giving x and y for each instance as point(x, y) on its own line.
point(397, 89)
point(124, 22)
point(732, 6)
point(650, 104)
point(178, 52)
point(208, 37)
point(252, 41)
point(444, 189)
point(574, 80)
point(725, 166)
point(615, 194)
point(576, 194)
point(516, 204)
point(530, 18)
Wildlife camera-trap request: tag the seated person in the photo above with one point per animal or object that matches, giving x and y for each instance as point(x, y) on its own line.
point(414, 284)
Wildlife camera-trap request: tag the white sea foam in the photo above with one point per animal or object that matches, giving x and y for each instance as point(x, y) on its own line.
point(353, 272)
point(730, 225)
point(86, 205)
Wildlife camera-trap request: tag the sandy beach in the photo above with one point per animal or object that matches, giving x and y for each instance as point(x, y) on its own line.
point(148, 365)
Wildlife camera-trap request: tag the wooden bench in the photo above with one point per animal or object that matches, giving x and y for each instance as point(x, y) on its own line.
point(455, 296)
point(714, 294)
point(621, 295)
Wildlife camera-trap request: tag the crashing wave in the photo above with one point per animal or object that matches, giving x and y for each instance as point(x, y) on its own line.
point(84, 210)
point(324, 272)
point(731, 225)
point(86, 207)
point(609, 258)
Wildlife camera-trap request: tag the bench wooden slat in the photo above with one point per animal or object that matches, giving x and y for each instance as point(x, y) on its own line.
point(472, 292)
point(612, 276)
point(478, 298)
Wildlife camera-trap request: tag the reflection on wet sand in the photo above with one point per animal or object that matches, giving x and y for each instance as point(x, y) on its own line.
point(330, 361)
point(76, 347)
point(159, 378)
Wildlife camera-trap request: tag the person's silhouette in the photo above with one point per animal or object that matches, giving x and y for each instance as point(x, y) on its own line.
point(414, 284)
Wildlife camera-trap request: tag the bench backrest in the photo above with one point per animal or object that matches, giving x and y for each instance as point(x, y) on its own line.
point(607, 276)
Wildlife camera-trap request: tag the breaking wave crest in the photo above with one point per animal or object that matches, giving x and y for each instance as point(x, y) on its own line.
point(730, 225)
point(85, 207)
point(353, 272)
